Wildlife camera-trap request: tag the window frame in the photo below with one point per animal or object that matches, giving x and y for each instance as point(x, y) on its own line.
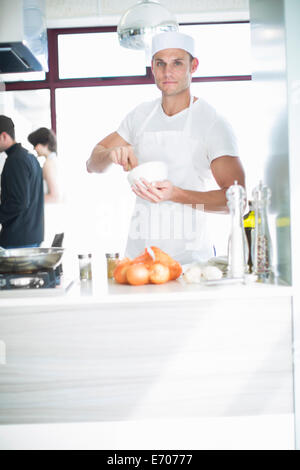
point(53, 82)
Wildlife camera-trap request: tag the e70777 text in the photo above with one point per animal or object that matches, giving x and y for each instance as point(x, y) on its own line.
point(171, 459)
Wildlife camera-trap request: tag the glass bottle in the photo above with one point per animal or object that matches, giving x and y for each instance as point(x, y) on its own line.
point(237, 244)
point(112, 260)
point(85, 267)
point(262, 248)
point(249, 224)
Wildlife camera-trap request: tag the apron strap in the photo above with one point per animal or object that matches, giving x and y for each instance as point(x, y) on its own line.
point(156, 107)
point(188, 120)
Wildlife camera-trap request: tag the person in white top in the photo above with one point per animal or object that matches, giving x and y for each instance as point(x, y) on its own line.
point(44, 143)
point(196, 143)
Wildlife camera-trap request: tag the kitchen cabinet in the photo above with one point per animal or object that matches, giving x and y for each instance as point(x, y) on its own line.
point(122, 353)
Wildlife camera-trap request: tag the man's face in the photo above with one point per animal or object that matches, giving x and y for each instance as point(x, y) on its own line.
point(172, 70)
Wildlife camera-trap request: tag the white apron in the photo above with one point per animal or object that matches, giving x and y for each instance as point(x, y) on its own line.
point(177, 229)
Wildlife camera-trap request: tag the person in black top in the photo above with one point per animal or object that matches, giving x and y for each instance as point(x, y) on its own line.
point(22, 193)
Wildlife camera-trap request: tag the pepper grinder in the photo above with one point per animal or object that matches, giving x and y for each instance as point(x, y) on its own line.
point(262, 249)
point(237, 244)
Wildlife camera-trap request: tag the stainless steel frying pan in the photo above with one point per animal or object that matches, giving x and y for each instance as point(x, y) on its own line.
point(27, 260)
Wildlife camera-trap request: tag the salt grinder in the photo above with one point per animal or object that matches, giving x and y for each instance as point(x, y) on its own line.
point(262, 249)
point(237, 244)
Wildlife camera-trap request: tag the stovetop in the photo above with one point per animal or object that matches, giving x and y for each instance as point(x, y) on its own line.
point(47, 281)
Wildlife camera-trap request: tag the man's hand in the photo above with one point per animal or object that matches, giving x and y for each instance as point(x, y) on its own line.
point(112, 149)
point(124, 156)
point(153, 192)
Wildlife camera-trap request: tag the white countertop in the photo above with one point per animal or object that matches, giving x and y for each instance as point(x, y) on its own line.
point(101, 291)
point(108, 352)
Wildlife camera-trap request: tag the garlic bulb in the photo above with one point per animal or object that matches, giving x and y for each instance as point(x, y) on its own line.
point(193, 275)
point(198, 273)
point(211, 273)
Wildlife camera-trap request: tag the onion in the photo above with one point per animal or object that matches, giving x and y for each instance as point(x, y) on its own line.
point(159, 273)
point(175, 270)
point(121, 270)
point(137, 274)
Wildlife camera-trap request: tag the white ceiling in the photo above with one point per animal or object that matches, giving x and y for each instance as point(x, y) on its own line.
point(68, 13)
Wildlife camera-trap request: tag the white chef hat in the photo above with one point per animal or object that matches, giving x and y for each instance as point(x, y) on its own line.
point(173, 40)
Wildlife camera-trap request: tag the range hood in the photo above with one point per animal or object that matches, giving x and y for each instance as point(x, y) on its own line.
point(23, 36)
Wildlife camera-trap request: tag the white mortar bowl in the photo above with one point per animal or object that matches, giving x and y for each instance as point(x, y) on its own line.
point(150, 171)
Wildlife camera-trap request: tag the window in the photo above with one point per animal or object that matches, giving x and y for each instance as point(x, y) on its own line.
point(222, 49)
point(29, 110)
point(97, 55)
point(23, 77)
point(91, 85)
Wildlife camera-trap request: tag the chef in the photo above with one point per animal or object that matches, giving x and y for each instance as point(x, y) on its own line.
point(197, 145)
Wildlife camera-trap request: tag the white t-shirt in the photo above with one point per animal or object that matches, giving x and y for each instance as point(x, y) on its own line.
point(212, 134)
point(209, 136)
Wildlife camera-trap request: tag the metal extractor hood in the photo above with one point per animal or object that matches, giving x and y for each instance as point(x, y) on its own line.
point(23, 36)
point(141, 21)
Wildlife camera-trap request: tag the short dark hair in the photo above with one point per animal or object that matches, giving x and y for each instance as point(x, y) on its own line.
point(43, 136)
point(7, 125)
